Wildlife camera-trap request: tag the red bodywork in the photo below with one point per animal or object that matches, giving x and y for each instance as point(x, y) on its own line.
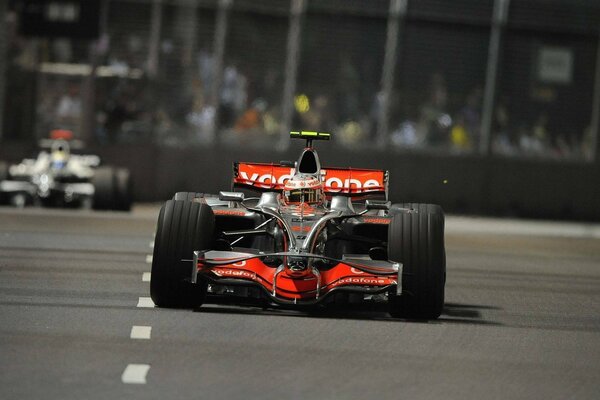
point(336, 180)
point(291, 286)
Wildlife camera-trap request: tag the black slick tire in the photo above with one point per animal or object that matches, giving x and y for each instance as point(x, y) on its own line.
point(183, 226)
point(104, 181)
point(416, 239)
point(3, 176)
point(123, 189)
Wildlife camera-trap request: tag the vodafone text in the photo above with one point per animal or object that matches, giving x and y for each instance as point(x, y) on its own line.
point(333, 184)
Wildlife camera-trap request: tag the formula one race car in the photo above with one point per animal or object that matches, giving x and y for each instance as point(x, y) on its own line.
point(61, 179)
point(314, 236)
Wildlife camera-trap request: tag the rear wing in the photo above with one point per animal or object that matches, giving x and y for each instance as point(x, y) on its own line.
point(349, 181)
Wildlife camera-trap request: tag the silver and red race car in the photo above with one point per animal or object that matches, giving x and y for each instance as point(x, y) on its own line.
point(311, 237)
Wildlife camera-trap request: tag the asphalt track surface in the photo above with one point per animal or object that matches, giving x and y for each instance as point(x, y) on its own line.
point(521, 321)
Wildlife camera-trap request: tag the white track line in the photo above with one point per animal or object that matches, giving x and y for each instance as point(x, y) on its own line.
point(140, 332)
point(152, 244)
point(146, 276)
point(145, 302)
point(149, 259)
point(135, 373)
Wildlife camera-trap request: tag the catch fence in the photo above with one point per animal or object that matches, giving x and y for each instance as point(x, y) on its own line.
point(514, 78)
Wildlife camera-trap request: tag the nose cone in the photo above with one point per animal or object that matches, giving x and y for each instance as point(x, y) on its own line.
point(297, 267)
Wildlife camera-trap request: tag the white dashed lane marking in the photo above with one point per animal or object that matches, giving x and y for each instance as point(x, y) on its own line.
point(145, 302)
point(140, 332)
point(135, 373)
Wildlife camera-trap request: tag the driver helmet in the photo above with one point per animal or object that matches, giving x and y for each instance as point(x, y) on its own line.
point(59, 156)
point(303, 190)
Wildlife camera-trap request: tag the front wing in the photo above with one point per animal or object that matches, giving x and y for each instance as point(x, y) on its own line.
point(354, 275)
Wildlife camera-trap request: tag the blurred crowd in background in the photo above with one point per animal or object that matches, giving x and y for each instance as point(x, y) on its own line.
point(166, 96)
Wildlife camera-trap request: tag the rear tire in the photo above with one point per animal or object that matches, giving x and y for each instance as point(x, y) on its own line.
point(183, 226)
point(416, 239)
point(104, 181)
point(3, 177)
point(124, 189)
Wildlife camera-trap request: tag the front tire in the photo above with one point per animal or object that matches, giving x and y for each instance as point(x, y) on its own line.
point(416, 239)
point(183, 226)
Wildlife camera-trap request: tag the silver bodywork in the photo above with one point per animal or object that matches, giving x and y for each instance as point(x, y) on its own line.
point(302, 241)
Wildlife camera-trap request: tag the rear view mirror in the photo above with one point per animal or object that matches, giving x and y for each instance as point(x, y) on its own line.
point(377, 205)
point(231, 196)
